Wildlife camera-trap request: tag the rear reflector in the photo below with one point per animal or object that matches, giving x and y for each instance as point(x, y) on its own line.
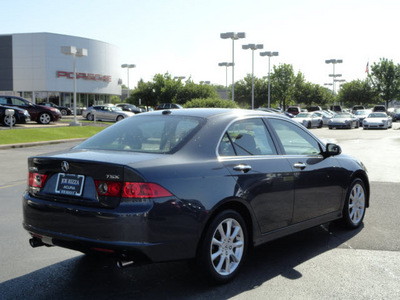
point(130, 189)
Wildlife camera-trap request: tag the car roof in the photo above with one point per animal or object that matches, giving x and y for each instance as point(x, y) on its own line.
point(211, 112)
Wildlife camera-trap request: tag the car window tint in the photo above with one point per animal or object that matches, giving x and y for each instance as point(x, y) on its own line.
point(16, 101)
point(154, 134)
point(295, 140)
point(3, 100)
point(249, 137)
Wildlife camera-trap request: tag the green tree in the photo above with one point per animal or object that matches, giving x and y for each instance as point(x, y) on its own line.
point(210, 102)
point(357, 92)
point(308, 93)
point(143, 94)
point(192, 90)
point(283, 83)
point(385, 79)
point(243, 92)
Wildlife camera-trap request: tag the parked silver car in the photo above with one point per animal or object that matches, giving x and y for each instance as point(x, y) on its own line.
point(106, 113)
point(309, 119)
point(343, 120)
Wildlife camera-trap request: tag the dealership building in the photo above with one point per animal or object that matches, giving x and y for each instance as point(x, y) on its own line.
point(37, 66)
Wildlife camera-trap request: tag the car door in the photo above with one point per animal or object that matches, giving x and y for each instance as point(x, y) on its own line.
point(317, 179)
point(264, 178)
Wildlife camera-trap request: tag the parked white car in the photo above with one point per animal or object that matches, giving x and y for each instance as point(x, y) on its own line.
point(309, 119)
point(377, 120)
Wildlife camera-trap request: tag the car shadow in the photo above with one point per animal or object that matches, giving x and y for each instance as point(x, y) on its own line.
point(84, 277)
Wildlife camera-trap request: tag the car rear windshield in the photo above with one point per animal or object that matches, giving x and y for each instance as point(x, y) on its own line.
point(148, 134)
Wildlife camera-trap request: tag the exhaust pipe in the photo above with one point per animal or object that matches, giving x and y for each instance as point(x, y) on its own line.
point(121, 264)
point(35, 242)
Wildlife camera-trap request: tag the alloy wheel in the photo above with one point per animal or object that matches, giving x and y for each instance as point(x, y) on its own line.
point(227, 247)
point(356, 205)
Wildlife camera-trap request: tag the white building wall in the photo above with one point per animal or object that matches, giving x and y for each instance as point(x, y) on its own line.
point(37, 58)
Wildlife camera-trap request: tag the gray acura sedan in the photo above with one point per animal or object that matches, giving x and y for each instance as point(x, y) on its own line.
point(204, 184)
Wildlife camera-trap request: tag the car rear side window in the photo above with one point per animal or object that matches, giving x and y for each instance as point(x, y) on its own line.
point(149, 134)
point(294, 140)
point(247, 137)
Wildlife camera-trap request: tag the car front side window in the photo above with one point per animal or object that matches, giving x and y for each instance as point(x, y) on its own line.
point(247, 137)
point(294, 140)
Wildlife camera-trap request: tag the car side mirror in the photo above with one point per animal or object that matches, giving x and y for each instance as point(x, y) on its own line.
point(332, 149)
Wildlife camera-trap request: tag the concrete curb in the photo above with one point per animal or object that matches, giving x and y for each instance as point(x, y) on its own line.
point(34, 144)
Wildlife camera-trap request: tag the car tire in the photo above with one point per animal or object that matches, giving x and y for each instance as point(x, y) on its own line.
point(8, 119)
point(320, 124)
point(90, 117)
point(63, 112)
point(330, 127)
point(219, 257)
point(119, 118)
point(309, 125)
point(44, 118)
point(354, 205)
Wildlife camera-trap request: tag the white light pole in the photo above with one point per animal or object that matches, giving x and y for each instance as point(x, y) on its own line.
point(334, 62)
point(234, 36)
point(226, 65)
point(128, 66)
point(269, 54)
point(252, 47)
point(79, 52)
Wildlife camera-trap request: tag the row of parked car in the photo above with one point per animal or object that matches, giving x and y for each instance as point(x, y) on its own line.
point(359, 116)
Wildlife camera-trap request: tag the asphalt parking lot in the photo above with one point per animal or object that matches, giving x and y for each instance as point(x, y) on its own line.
point(325, 262)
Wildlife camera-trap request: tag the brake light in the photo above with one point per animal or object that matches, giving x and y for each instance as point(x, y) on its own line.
point(36, 180)
point(130, 189)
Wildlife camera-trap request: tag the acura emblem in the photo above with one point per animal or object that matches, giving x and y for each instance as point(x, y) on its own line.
point(65, 166)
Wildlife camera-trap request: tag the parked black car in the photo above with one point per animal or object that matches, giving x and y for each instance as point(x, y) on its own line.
point(395, 114)
point(168, 106)
point(40, 114)
point(20, 116)
point(129, 107)
point(65, 111)
point(191, 183)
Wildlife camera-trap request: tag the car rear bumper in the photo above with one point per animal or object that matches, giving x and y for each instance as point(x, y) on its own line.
point(139, 232)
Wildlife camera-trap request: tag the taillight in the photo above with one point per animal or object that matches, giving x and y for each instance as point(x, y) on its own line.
point(130, 189)
point(36, 180)
point(108, 188)
point(144, 190)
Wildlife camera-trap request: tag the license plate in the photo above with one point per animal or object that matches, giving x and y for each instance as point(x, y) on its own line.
point(70, 184)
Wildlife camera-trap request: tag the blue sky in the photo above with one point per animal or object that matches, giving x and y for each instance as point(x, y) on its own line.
point(182, 37)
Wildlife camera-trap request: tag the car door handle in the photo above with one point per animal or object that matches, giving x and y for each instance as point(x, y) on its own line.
point(242, 168)
point(299, 165)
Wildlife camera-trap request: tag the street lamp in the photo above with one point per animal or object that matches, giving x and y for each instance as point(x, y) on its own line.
point(179, 77)
point(269, 54)
point(334, 62)
point(128, 66)
point(234, 36)
point(252, 47)
point(75, 52)
point(226, 64)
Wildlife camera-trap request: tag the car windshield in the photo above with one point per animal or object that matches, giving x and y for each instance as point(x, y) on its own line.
point(362, 112)
point(377, 115)
point(303, 115)
point(149, 134)
point(341, 116)
point(114, 108)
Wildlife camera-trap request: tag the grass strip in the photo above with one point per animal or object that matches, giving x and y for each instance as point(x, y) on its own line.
point(16, 136)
